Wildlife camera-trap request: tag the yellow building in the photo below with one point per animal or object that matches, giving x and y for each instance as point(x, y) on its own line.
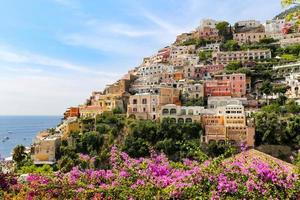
point(68, 126)
point(44, 150)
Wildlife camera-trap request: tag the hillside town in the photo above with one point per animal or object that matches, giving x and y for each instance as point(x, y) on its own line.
point(214, 75)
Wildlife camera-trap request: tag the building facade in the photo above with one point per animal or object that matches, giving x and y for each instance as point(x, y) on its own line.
point(147, 105)
point(225, 58)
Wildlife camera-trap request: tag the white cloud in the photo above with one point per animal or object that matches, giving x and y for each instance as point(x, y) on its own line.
point(43, 94)
point(13, 56)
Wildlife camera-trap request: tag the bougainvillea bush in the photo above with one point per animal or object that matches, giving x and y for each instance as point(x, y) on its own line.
point(156, 177)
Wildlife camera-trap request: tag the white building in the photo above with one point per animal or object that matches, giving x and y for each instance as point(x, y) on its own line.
point(155, 69)
point(293, 81)
point(274, 26)
point(248, 24)
point(216, 102)
point(210, 47)
point(208, 23)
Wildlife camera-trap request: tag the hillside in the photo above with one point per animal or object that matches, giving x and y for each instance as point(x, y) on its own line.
point(283, 14)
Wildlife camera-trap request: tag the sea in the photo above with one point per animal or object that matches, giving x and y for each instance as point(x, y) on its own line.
point(16, 130)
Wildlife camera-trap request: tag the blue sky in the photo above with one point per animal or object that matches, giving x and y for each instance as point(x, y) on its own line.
point(54, 53)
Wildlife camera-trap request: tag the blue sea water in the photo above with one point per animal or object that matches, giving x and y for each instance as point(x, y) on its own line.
point(22, 130)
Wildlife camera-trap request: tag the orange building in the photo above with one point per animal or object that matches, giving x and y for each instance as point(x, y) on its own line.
point(71, 112)
point(178, 76)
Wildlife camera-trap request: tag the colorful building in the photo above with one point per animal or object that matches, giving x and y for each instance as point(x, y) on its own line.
point(227, 57)
point(147, 105)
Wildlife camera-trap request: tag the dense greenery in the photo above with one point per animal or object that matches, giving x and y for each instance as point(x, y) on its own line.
point(225, 30)
point(278, 124)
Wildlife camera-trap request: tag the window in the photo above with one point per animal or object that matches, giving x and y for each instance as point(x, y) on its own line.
point(165, 111)
point(188, 120)
point(134, 109)
point(173, 111)
point(180, 121)
point(144, 101)
point(134, 101)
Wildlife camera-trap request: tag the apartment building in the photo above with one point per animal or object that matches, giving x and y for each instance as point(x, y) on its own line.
point(228, 125)
point(210, 47)
point(90, 111)
point(216, 102)
point(155, 69)
point(71, 112)
point(242, 38)
point(183, 114)
point(248, 24)
point(208, 23)
point(205, 71)
point(225, 58)
point(147, 105)
point(207, 33)
point(238, 83)
point(162, 56)
point(191, 90)
point(274, 26)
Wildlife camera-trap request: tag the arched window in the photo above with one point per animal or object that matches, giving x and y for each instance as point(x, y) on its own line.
point(173, 120)
point(180, 121)
point(188, 120)
point(165, 111)
point(173, 111)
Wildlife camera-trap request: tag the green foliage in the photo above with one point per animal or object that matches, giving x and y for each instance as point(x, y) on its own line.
point(198, 42)
point(278, 124)
point(292, 107)
point(267, 41)
point(19, 154)
point(205, 55)
point(272, 108)
point(268, 128)
point(233, 66)
point(289, 57)
point(266, 88)
point(193, 102)
point(117, 110)
point(230, 45)
point(168, 137)
point(45, 169)
point(225, 30)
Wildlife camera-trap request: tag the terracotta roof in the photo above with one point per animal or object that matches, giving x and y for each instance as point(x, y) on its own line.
point(253, 154)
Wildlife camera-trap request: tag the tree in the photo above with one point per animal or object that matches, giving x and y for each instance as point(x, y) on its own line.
point(205, 55)
point(267, 41)
point(269, 129)
point(292, 132)
point(233, 66)
point(266, 89)
point(19, 154)
point(225, 30)
point(292, 107)
point(230, 45)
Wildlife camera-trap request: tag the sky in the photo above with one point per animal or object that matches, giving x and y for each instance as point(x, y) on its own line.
point(54, 53)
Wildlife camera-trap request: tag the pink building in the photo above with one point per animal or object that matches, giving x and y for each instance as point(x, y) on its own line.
point(202, 71)
point(226, 85)
point(207, 33)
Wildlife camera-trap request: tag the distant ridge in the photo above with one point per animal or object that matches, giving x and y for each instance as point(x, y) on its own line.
point(283, 14)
